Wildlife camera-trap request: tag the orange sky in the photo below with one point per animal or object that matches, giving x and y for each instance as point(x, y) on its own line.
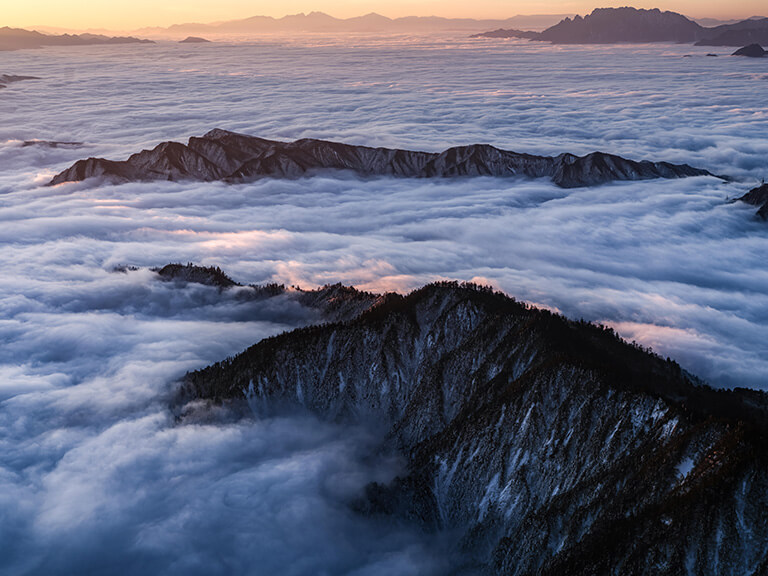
point(131, 14)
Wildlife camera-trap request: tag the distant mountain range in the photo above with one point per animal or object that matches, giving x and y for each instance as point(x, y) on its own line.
point(602, 26)
point(618, 25)
point(320, 22)
point(223, 155)
point(18, 38)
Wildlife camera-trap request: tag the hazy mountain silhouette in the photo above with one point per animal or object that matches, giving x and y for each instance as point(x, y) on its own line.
point(321, 22)
point(18, 38)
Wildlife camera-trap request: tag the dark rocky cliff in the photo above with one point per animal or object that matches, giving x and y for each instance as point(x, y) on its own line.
point(553, 446)
point(222, 155)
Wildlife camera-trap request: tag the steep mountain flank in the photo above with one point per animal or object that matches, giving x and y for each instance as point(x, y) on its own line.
point(552, 445)
point(223, 155)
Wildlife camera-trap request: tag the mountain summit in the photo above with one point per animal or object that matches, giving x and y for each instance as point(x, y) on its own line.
point(612, 25)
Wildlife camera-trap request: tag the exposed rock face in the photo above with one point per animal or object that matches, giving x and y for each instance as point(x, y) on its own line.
point(222, 155)
point(552, 445)
point(752, 31)
point(6, 79)
point(613, 25)
point(751, 51)
point(18, 38)
point(758, 197)
point(194, 40)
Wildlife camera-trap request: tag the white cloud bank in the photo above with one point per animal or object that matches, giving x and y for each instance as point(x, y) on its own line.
point(95, 473)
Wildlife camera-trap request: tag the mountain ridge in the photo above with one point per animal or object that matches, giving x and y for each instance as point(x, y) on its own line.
point(552, 445)
point(224, 155)
point(319, 22)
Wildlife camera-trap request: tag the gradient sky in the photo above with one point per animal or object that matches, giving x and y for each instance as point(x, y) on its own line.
point(130, 14)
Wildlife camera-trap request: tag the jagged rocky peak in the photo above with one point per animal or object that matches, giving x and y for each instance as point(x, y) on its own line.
point(758, 197)
point(553, 446)
point(613, 25)
point(223, 155)
point(751, 51)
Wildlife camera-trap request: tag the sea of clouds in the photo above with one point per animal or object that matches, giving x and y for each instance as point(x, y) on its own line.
point(96, 475)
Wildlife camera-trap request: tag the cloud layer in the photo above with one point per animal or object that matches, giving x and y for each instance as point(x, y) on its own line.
point(94, 468)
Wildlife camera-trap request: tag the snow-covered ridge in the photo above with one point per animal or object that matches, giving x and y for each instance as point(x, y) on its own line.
point(554, 446)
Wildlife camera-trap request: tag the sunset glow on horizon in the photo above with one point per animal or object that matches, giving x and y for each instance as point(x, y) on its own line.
point(133, 14)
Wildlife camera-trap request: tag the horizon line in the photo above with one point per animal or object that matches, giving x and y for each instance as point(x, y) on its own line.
point(215, 23)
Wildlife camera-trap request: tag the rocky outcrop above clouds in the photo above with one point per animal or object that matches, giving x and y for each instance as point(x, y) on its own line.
point(758, 197)
point(551, 445)
point(333, 302)
point(6, 79)
point(223, 155)
point(751, 51)
point(614, 25)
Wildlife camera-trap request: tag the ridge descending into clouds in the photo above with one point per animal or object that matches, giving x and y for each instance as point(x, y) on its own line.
point(94, 468)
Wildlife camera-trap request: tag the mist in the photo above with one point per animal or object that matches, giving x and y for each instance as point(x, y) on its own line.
point(97, 472)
